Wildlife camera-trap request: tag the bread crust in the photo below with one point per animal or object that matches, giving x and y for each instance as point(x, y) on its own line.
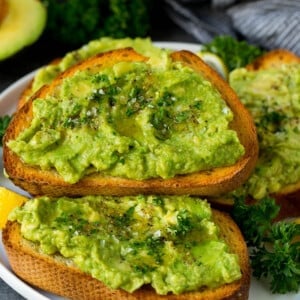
point(213, 182)
point(54, 275)
point(273, 58)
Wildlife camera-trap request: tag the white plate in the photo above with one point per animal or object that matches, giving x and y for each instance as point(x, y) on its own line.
point(8, 101)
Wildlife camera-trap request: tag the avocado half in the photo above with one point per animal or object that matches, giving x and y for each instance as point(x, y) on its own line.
point(21, 24)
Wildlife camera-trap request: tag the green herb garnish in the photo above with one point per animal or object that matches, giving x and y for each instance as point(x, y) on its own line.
point(76, 22)
point(274, 251)
point(234, 53)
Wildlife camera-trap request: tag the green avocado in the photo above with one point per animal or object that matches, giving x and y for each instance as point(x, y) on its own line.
point(21, 24)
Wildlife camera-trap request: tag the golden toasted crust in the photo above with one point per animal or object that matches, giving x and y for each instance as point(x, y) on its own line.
point(272, 59)
point(54, 275)
point(214, 182)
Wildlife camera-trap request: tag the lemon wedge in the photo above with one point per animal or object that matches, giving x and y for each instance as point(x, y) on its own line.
point(8, 201)
point(215, 62)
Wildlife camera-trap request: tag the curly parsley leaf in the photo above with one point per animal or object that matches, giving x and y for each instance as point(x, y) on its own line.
point(275, 251)
point(234, 53)
point(260, 214)
point(278, 258)
point(4, 121)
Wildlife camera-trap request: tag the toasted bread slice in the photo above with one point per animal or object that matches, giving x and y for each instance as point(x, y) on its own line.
point(288, 196)
point(213, 182)
point(56, 275)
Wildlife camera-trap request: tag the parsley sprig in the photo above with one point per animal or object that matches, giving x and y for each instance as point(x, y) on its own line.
point(233, 52)
point(274, 246)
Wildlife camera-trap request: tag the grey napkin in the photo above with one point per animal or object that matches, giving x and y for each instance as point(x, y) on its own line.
point(267, 23)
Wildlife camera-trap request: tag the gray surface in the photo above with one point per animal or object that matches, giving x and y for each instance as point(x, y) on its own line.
point(41, 53)
point(6, 293)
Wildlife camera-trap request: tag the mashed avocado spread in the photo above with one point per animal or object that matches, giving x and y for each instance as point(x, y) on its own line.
point(273, 98)
point(134, 120)
point(170, 242)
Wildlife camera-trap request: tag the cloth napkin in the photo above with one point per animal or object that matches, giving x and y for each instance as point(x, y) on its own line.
point(266, 23)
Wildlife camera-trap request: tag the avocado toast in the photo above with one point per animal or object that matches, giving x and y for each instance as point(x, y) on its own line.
point(269, 88)
point(172, 247)
point(210, 181)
